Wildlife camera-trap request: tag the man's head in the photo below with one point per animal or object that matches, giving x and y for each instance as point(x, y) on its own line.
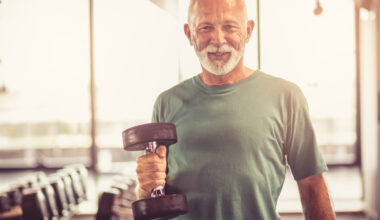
point(218, 30)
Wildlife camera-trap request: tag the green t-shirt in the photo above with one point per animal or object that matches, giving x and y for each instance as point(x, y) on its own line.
point(234, 142)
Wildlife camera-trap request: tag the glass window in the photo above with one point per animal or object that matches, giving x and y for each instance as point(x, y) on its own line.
point(44, 81)
point(136, 58)
point(317, 53)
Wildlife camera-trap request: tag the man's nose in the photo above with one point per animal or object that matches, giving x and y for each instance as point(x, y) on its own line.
point(218, 37)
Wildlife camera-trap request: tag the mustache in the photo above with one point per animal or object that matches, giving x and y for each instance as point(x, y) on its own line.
point(216, 49)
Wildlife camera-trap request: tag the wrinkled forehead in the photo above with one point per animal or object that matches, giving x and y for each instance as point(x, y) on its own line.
point(207, 10)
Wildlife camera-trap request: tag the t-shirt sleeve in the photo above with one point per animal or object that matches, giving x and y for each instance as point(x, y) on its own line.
point(156, 110)
point(302, 152)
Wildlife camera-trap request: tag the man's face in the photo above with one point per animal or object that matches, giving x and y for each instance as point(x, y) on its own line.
point(218, 31)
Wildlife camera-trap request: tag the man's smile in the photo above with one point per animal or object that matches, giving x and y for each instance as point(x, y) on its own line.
point(219, 55)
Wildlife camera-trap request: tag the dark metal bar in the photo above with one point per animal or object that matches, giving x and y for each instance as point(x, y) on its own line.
point(94, 149)
point(377, 200)
point(358, 102)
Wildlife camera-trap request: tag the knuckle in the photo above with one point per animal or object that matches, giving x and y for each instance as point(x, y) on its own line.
point(157, 167)
point(156, 176)
point(158, 182)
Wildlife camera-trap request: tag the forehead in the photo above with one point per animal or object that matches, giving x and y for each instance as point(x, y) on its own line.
point(216, 10)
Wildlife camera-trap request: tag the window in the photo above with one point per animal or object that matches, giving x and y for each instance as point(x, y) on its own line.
point(318, 54)
point(44, 80)
point(136, 58)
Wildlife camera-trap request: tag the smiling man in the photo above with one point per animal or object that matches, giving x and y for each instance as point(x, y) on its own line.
point(237, 129)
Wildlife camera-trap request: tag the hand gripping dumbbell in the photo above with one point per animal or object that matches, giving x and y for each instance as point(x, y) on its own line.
point(148, 137)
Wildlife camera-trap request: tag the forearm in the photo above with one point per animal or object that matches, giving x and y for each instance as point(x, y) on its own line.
point(315, 198)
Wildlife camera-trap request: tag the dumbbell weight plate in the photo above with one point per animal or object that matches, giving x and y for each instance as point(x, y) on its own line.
point(106, 202)
point(135, 138)
point(5, 203)
point(51, 204)
point(34, 205)
point(60, 197)
point(83, 176)
point(168, 206)
point(15, 196)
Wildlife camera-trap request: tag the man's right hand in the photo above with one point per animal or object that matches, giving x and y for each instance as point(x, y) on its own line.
point(151, 171)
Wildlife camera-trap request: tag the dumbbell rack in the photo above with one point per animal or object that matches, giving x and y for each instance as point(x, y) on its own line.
point(42, 196)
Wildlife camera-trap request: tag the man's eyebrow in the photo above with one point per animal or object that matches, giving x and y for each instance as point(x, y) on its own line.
point(231, 22)
point(205, 23)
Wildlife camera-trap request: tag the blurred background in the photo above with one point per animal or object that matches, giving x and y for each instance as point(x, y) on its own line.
point(74, 74)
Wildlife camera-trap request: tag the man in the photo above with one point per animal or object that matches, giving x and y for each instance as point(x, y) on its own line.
point(237, 129)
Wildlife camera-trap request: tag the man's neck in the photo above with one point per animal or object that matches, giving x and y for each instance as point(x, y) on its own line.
point(232, 77)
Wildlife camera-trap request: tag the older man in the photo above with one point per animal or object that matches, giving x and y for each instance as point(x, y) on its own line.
point(237, 128)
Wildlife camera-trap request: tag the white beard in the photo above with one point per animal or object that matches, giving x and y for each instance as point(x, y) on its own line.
point(219, 67)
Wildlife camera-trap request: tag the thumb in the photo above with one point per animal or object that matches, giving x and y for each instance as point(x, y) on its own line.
point(161, 151)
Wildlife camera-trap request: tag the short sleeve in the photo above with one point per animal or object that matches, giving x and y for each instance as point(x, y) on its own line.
point(301, 149)
point(156, 110)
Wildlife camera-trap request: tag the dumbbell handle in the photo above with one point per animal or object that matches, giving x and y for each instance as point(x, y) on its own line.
point(159, 190)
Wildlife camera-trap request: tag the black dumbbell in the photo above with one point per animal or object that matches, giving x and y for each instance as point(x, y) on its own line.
point(125, 195)
point(69, 193)
point(5, 203)
point(34, 205)
point(49, 194)
point(106, 205)
point(83, 176)
point(148, 137)
point(50, 200)
point(76, 184)
point(60, 196)
point(15, 196)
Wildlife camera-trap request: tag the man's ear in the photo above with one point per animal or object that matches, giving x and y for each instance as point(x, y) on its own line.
point(250, 26)
point(186, 28)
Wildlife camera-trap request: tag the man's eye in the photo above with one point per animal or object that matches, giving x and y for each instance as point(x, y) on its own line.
point(229, 27)
point(206, 28)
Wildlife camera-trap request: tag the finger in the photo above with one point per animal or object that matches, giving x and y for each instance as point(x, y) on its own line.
point(151, 167)
point(148, 158)
point(161, 151)
point(148, 177)
point(149, 186)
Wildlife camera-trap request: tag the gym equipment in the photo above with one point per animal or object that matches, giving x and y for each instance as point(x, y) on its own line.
point(76, 184)
point(15, 196)
point(148, 137)
point(51, 204)
point(126, 194)
point(83, 176)
point(34, 205)
point(5, 203)
point(106, 205)
point(68, 191)
point(60, 197)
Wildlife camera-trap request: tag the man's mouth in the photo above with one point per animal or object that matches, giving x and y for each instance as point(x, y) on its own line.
point(218, 55)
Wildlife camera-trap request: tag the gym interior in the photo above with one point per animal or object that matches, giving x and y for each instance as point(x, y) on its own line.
point(75, 74)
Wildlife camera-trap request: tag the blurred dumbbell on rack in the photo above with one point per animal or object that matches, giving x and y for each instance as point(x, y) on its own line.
point(39, 196)
point(115, 203)
point(5, 203)
point(76, 183)
point(34, 204)
point(61, 199)
point(83, 176)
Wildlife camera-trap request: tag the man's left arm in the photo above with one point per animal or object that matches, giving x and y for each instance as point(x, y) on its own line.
point(315, 198)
